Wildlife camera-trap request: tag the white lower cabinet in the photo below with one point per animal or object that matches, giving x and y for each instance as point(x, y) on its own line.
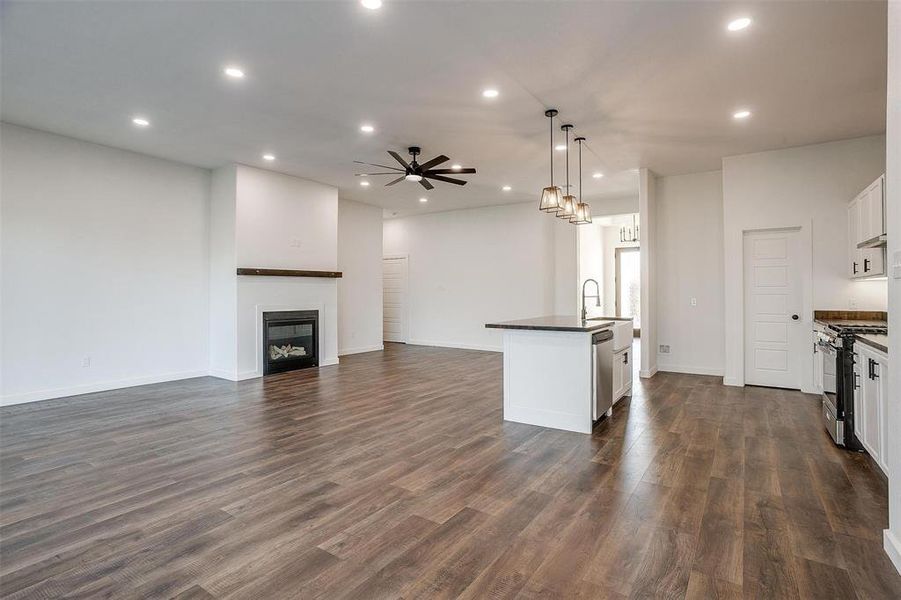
point(870, 400)
point(859, 416)
point(622, 373)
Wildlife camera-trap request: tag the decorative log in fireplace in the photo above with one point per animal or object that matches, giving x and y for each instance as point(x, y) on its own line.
point(290, 340)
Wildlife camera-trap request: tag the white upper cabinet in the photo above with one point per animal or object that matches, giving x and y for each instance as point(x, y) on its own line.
point(866, 222)
point(874, 218)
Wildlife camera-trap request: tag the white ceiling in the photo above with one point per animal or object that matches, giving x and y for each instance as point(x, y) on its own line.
point(650, 84)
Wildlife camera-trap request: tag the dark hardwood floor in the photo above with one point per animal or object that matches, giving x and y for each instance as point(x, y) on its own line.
point(393, 475)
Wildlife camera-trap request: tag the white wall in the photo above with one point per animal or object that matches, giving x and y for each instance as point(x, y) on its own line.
point(690, 265)
point(104, 255)
point(223, 282)
point(471, 267)
point(893, 220)
point(360, 289)
point(285, 222)
point(591, 263)
point(647, 208)
point(615, 206)
point(809, 187)
point(567, 287)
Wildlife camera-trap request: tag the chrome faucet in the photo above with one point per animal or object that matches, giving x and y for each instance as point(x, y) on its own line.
point(596, 296)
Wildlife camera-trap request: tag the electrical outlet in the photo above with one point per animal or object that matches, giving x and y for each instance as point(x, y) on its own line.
point(86, 361)
point(295, 242)
point(664, 348)
point(852, 302)
point(694, 301)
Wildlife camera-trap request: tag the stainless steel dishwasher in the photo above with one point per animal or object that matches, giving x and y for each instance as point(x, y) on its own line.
point(602, 359)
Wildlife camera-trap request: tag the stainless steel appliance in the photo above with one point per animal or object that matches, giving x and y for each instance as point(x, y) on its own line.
point(836, 343)
point(602, 345)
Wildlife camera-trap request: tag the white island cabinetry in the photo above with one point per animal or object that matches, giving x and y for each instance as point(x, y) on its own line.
point(549, 371)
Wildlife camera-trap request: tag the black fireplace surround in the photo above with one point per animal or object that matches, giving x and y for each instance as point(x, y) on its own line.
point(290, 340)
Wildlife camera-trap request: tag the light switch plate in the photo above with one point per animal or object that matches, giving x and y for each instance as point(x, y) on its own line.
point(896, 264)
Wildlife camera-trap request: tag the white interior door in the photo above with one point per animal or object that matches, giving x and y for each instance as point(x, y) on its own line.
point(394, 299)
point(774, 334)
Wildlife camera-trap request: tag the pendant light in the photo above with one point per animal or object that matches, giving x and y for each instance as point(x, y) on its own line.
point(568, 204)
point(627, 234)
point(551, 197)
point(582, 213)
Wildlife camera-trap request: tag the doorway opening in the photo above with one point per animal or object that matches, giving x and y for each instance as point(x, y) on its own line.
point(628, 285)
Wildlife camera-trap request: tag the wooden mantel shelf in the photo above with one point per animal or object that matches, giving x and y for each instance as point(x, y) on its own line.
point(288, 273)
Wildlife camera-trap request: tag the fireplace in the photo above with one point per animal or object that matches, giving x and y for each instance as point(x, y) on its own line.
point(290, 340)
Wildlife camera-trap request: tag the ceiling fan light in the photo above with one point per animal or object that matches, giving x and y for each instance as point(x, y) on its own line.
point(413, 177)
point(551, 199)
point(567, 207)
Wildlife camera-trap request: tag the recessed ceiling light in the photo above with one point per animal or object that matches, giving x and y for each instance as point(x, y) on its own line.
point(738, 24)
point(741, 114)
point(490, 93)
point(364, 183)
point(456, 167)
point(367, 128)
point(597, 175)
point(506, 188)
point(269, 157)
point(371, 4)
point(140, 121)
point(560, 147)
point(234, 72)
point(423, 200)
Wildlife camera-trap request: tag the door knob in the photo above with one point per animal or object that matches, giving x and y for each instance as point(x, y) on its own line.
point(795, 317)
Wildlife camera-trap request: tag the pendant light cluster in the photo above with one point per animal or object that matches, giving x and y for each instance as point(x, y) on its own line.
point(629, 234)
point(553, 200)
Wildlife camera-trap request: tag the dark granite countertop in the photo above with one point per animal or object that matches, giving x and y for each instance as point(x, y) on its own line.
point(554, 323)
point(851, 322)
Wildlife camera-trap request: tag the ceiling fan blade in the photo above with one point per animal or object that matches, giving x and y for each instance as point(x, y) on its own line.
point(398, 158)
point(359, 162)
point(368, 174)
point(434, 162)
point(398, 180)
point(444, 179)
point(450, 171)
point(424, 183)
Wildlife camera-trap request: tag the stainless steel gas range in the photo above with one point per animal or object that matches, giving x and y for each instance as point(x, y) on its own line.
point(836, 343)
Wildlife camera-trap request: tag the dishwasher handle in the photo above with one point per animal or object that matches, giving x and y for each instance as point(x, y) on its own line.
point(601, 336)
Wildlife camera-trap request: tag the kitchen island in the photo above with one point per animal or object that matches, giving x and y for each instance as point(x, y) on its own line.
point(549, 371)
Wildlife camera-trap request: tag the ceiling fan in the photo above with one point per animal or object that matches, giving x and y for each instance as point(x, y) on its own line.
point(413, 171)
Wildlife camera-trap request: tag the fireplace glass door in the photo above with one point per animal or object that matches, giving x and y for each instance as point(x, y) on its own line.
point(290, 340)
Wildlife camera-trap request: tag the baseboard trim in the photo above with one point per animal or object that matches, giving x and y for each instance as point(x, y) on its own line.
point(690, 370)
point(102, 386)
point(892, 547)
point(733, 382)
point(360, 350)
point(483, 347)
point(647, 373)
point(223, 374)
